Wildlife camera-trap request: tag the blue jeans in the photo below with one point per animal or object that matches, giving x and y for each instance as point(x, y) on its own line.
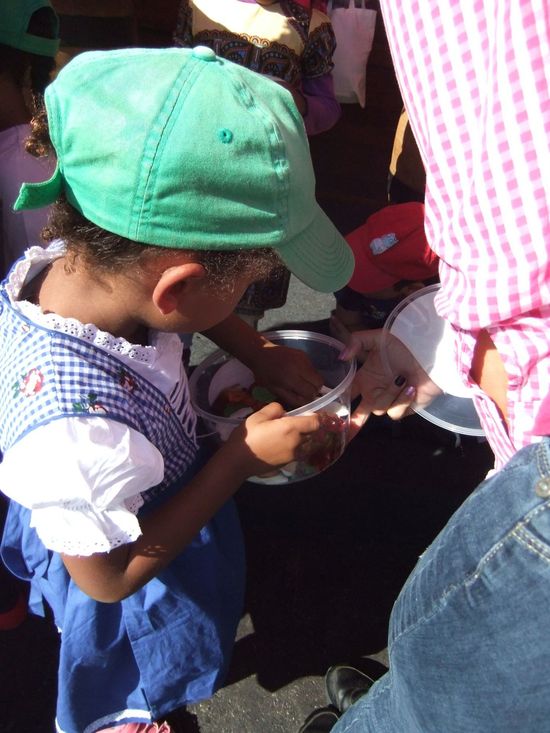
point(469, 638)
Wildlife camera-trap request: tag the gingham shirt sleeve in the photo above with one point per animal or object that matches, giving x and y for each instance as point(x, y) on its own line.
point(476, 84)
point(82, 479)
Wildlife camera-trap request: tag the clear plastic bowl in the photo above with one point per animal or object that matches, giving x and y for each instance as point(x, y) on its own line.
point(419, 344)
point(220, 370)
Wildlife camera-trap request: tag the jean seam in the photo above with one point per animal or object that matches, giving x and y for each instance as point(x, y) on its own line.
point(531, 543)
point(381, 687)
point(474, 575)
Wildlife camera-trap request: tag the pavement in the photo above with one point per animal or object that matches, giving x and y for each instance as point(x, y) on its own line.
point(327, 556)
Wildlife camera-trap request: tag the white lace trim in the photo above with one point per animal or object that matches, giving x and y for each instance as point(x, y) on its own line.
point(91, 531)
point(77, 504)
point(77, 547)
point(36, 258)
point(134, 503)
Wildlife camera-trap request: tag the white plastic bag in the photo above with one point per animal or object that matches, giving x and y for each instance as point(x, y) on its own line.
point(354, 27)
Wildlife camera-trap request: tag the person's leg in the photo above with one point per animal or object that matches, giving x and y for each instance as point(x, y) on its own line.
point(468, 643)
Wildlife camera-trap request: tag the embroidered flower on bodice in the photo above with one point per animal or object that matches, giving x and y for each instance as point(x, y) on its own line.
point(30, 383)
point(89, 404)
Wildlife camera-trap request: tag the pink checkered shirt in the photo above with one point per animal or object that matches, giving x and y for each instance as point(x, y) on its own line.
point(475, 79)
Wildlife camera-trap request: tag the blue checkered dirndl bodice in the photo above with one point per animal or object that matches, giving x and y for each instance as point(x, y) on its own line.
point(169, 643)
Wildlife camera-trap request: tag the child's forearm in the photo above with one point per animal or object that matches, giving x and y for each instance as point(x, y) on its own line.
point(287, 371)
point(110, 577)
point(265, 440)
point(238, 338)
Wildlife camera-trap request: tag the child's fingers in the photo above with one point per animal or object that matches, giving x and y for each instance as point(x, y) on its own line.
point(305, 424)
point(378, 392)
point(269, 438)
point(271, 411)
point(295, 397)
point(401, 406)
point(388, 397)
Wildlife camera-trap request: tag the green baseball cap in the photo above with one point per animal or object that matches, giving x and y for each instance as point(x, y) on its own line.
point(15, 16)
point(179, 148)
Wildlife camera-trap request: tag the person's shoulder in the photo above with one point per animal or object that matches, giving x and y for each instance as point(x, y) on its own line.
point(318, 19)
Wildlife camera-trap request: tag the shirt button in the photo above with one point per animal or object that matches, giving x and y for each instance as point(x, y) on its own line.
point(204, 53)
point(542, 488)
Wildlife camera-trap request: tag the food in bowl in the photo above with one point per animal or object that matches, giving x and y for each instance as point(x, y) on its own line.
point(239, 401)
point(224, 393)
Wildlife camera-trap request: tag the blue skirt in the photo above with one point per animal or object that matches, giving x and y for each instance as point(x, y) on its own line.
point(167, 645)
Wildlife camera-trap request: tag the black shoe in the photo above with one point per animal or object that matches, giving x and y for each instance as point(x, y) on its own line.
point(320, 721)
point(345, 685)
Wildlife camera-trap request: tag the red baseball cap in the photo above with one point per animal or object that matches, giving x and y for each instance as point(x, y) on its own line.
point(391, 246)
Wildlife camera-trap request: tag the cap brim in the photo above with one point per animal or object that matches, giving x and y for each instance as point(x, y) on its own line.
point(40, 46)
point(319, 256)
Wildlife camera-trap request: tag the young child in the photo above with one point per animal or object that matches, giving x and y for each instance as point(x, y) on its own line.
point(181, 177)
point(392, 260)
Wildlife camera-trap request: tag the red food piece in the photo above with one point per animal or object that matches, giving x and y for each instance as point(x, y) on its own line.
point(236, 398)
point(326, 444)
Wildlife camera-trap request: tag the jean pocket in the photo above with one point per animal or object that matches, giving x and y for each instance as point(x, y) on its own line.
point(534, 532)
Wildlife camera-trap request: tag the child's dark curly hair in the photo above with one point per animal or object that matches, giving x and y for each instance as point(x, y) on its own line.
point(102, 250)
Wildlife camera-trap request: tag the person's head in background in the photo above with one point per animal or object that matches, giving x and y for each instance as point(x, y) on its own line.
point(28, 44)
point(392, 261)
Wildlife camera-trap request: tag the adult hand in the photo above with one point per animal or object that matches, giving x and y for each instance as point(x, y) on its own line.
point(390, 379)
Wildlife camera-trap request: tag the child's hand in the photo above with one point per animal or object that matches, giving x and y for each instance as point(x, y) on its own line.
point(268, 439)
point(288, 373)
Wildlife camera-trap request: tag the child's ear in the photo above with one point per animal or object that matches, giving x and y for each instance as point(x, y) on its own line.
point(173, 282)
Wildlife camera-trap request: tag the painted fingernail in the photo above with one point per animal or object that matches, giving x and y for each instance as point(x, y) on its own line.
point(409, 392)
point(399, 381)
